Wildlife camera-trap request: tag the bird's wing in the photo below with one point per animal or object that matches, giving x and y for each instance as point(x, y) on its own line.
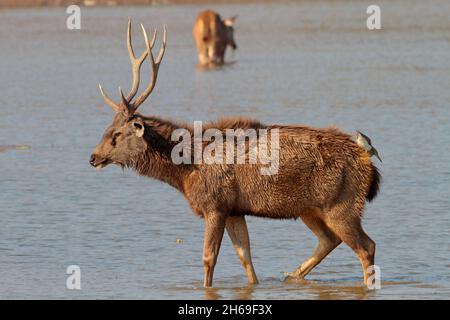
point(375, 152)
point(365, 137)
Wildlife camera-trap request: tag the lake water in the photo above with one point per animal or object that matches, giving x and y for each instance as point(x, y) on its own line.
point(308, 62)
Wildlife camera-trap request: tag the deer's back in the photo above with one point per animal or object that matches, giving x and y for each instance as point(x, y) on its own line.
point(318, 168)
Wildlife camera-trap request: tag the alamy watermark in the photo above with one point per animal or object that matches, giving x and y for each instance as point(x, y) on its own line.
point(227, 146)
point(73, 281)
point(73, 21)
point(373, 22)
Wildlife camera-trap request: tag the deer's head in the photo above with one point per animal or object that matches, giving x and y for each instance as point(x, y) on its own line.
point(124, 139)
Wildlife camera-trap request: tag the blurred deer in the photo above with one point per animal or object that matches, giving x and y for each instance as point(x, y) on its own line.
point(324, 177)
point(212, 35)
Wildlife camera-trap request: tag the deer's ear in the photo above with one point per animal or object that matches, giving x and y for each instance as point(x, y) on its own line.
point(230, 21)
point(139, 128)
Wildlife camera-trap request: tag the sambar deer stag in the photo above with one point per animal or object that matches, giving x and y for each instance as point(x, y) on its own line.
point(323, 178)
point(212, 35)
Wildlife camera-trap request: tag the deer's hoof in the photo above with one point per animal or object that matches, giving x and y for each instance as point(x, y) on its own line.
point(292, 277)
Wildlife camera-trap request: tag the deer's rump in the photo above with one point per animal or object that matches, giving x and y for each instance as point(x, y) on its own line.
point(207, 26)
point(209, 35)
point(318, 169)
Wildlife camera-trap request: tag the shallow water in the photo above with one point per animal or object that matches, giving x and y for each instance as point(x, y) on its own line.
point(310, 62)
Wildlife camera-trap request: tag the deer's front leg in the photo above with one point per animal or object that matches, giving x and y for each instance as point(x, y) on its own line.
point(237, 230)
point(214, 228)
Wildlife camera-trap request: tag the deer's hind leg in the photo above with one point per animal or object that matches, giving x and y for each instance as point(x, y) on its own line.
point(347, 225)
point(328, 241)
point(237, 230)
point(203, 56)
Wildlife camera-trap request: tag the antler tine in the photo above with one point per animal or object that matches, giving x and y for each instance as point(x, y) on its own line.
point(163, 47)
point(153, 38)
point(135, 63)
point(129, 45)
point(108, 100)
point(125, 103)
point(153, 64)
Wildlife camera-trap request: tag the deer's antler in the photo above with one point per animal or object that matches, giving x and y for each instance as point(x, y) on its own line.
point(154, 66)
point(126, 105)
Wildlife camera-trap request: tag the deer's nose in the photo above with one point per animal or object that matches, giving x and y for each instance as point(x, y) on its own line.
point(92, 160)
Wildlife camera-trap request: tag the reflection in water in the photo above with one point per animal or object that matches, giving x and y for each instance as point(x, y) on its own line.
point(212, 294)
point(304, 289)
point(244, 293)
point(214, 66)
point(335, 291)
point(298, 289)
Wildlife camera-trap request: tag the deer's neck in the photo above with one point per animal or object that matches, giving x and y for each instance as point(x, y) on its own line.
point(156, 162)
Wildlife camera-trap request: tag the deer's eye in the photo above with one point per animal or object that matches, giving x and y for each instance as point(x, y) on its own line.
point(114, 138)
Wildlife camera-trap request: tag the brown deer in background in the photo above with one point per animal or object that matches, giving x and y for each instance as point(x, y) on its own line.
point(212, 35)
point(324, 177)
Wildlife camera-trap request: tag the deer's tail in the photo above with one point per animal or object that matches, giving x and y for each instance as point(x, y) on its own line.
point(374, 184)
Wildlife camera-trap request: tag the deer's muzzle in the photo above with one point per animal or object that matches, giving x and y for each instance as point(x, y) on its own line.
point(97, 162)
